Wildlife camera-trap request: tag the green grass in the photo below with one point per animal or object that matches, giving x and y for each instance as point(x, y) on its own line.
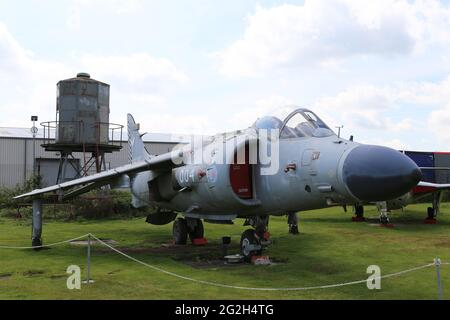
point(330, 249)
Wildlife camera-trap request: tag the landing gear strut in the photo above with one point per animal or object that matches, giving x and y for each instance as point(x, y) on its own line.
point(359, 213)
point(182, 228)
point(293, 223)
point(384, 218)
point(254, 240)
point(433, 211)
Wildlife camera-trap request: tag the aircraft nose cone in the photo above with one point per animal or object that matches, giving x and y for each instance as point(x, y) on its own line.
point(375, 173)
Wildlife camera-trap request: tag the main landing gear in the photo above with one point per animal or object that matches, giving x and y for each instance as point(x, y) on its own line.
point(433, 211)
point(253, 241)
point(182, 228)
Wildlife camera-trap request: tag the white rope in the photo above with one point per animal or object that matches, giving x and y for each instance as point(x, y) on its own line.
point(256, 288)
point(221, 284)
point(45, 246)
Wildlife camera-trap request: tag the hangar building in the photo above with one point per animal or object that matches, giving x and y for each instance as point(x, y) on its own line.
point(16, 155)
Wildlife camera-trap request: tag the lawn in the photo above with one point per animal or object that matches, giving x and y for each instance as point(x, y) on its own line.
point(330, 249)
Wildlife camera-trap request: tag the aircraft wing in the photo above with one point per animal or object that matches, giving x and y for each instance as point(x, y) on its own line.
point(162, 162)
point(437, 186)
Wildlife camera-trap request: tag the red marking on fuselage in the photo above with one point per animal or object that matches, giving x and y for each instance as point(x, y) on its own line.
point(420, 189)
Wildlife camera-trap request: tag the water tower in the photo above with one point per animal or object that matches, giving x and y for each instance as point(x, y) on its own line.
point(82, 126)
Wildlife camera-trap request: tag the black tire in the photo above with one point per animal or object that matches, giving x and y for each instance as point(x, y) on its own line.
point(431, 213)
point(249, 237)
point(294, 230)
point(359, 211)
point(384, 220)
point(180, 231)
point(198, 232)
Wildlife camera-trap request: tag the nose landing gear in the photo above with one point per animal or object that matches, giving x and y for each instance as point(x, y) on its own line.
point(253, 241)
point(384, 218)
point(250, 244)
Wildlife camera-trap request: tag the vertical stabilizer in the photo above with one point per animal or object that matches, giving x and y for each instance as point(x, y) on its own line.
point(136, 147)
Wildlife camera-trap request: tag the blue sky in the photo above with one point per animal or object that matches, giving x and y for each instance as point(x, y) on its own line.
point(380, 68)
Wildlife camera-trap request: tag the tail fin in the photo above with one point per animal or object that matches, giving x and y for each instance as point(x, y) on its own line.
point(136, 147)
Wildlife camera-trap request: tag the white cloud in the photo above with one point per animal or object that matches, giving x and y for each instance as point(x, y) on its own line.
point(414, 109)
point(28, 84)
point(439, 124)
point(139, 82)
point(324, 32)
point(136, 69)
point(392, 143)
point(262, 107)
point(77, 7)
point(431, 93)
point(359, 107)
point(179, 124)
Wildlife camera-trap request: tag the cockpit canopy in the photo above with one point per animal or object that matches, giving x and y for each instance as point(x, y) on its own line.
point(298, 123)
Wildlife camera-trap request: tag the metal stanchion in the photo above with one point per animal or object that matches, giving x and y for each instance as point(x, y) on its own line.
point(88, 272)
point(36, 226)
point(437, 263)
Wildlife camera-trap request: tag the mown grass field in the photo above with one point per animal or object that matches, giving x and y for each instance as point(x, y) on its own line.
point(330, 249)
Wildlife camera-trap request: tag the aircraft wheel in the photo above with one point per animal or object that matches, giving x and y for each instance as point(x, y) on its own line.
point(180, 231)
point(293, 230)
point(197, 232)
point(249, 239)
point(359, 211)
point(384, 220)
point(431, 213)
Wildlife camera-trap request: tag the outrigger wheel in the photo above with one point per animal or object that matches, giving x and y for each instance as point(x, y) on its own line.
point(180, 231)
point(250, 245)
point(431, 213)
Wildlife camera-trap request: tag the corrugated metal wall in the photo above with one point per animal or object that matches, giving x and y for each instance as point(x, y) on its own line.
point(16, 158)
point(12, 161)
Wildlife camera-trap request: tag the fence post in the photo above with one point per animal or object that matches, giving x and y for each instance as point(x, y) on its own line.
point(36, 238)
point(437, 263)
point(88, 280)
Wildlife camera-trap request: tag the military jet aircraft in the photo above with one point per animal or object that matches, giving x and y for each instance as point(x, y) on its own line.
point(418, 193)
point(275, 167)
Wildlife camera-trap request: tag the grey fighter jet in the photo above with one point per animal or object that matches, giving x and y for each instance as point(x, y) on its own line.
point(275, 167)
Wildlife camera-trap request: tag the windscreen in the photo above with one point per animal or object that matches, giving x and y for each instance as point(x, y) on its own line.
point(304, 123)
point(294, 123)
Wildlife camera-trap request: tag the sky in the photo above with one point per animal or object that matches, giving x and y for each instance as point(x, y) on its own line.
point(380, 68)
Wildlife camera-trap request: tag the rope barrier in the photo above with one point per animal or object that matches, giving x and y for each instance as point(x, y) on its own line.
point(257, 288)
point(216, 284)
point(47, 245)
